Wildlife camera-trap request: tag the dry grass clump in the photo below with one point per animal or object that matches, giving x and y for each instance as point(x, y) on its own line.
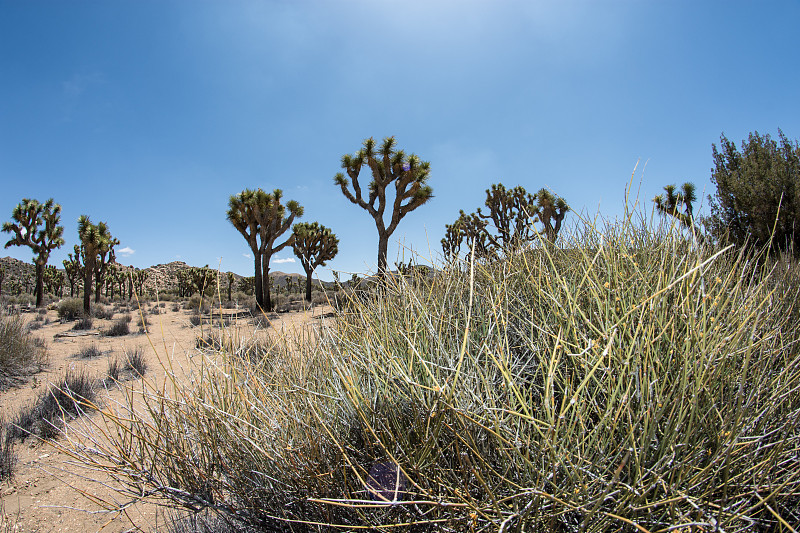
point(67, 399)
point(21, 353)
point(626, 380)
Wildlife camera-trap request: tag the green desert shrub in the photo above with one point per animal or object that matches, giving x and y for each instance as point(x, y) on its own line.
point(626, 380)
point(83, 323)
point(119, 328)
point(103, 312)
point(21, 353)
point(70, 309)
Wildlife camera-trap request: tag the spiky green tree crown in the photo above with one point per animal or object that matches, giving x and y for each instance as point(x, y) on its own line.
point(36, 226)
point(386, 164)
point(672, 200)
point(314, 244)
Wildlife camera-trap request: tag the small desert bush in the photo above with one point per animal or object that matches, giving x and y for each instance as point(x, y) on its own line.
point(119, 328)
point(195, 319)
point(21, 354)
point(70, 309)
point(176, 307)
point(103, 312)
point(88, 352)
point(33, 325)
point(132, 364)
point(627, 379)
point(83, 323)
point(70, 397)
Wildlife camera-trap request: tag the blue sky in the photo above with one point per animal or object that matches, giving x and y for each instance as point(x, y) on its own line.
point(148, 115)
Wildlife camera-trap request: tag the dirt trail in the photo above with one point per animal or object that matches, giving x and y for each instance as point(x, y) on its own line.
point(49, 492)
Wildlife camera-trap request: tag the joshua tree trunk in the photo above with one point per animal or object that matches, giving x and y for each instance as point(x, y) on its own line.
point(87, 285)
point(308, 284)
point(267, 300)
point(258, 282)
point(39, 284)
point(383, 250)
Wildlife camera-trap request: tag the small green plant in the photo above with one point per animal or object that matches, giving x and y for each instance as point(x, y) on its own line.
point(84, 323)
point(119, 328)
point(103, 312)
point(89, 352)
point(70, 309)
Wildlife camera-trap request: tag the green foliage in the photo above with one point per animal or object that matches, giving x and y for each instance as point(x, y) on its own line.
point(313, 244)
point(758, 193)
point(387, 165)
point(194, 280)
point(247, 285)
point(262, 218)
point(36, 226)
point(21, 354)
point(53, 280)
point(509, 223)
point(74, 270)
point(70, 309)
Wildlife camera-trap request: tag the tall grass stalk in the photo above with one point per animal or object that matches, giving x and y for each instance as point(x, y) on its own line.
point(626, 380)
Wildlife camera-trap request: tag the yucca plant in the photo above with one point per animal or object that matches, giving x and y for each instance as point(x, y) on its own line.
point(626, 380)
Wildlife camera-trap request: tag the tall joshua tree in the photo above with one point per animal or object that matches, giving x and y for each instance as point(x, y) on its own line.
point(313, 245)
point(36, 226)
point(96, 243)
point(73, 268)
point(262, 218)
point(388, 166)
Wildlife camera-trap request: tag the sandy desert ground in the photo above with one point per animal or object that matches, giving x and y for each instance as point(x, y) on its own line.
point(45, 493)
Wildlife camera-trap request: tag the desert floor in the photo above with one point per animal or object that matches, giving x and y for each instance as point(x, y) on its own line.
point(49, 492)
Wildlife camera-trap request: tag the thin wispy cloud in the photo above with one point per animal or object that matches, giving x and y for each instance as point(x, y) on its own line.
point(79, 83)
point(247, 256)
point(286, 260)
point(127, 251)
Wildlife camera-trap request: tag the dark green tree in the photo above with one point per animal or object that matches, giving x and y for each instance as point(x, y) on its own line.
point(387, 166)
point(73, 269)
point(758, 193)
point(510, 222)
point(262, 218)
point(37, 226)
point(678, 203)
point(314, 244)
point(53, 280)
point(247, 284)
point(96, 245)
point(231, 280)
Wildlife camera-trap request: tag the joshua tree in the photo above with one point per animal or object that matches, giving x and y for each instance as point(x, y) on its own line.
point(247, 284)
point(74, 270)
point(313, 245)
point(36, 226)
point(261, 218)
point(53, 280)
point(96, 247)
point(387, 165)
point(670, 203)
point(137, 280)
point(512, 214)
